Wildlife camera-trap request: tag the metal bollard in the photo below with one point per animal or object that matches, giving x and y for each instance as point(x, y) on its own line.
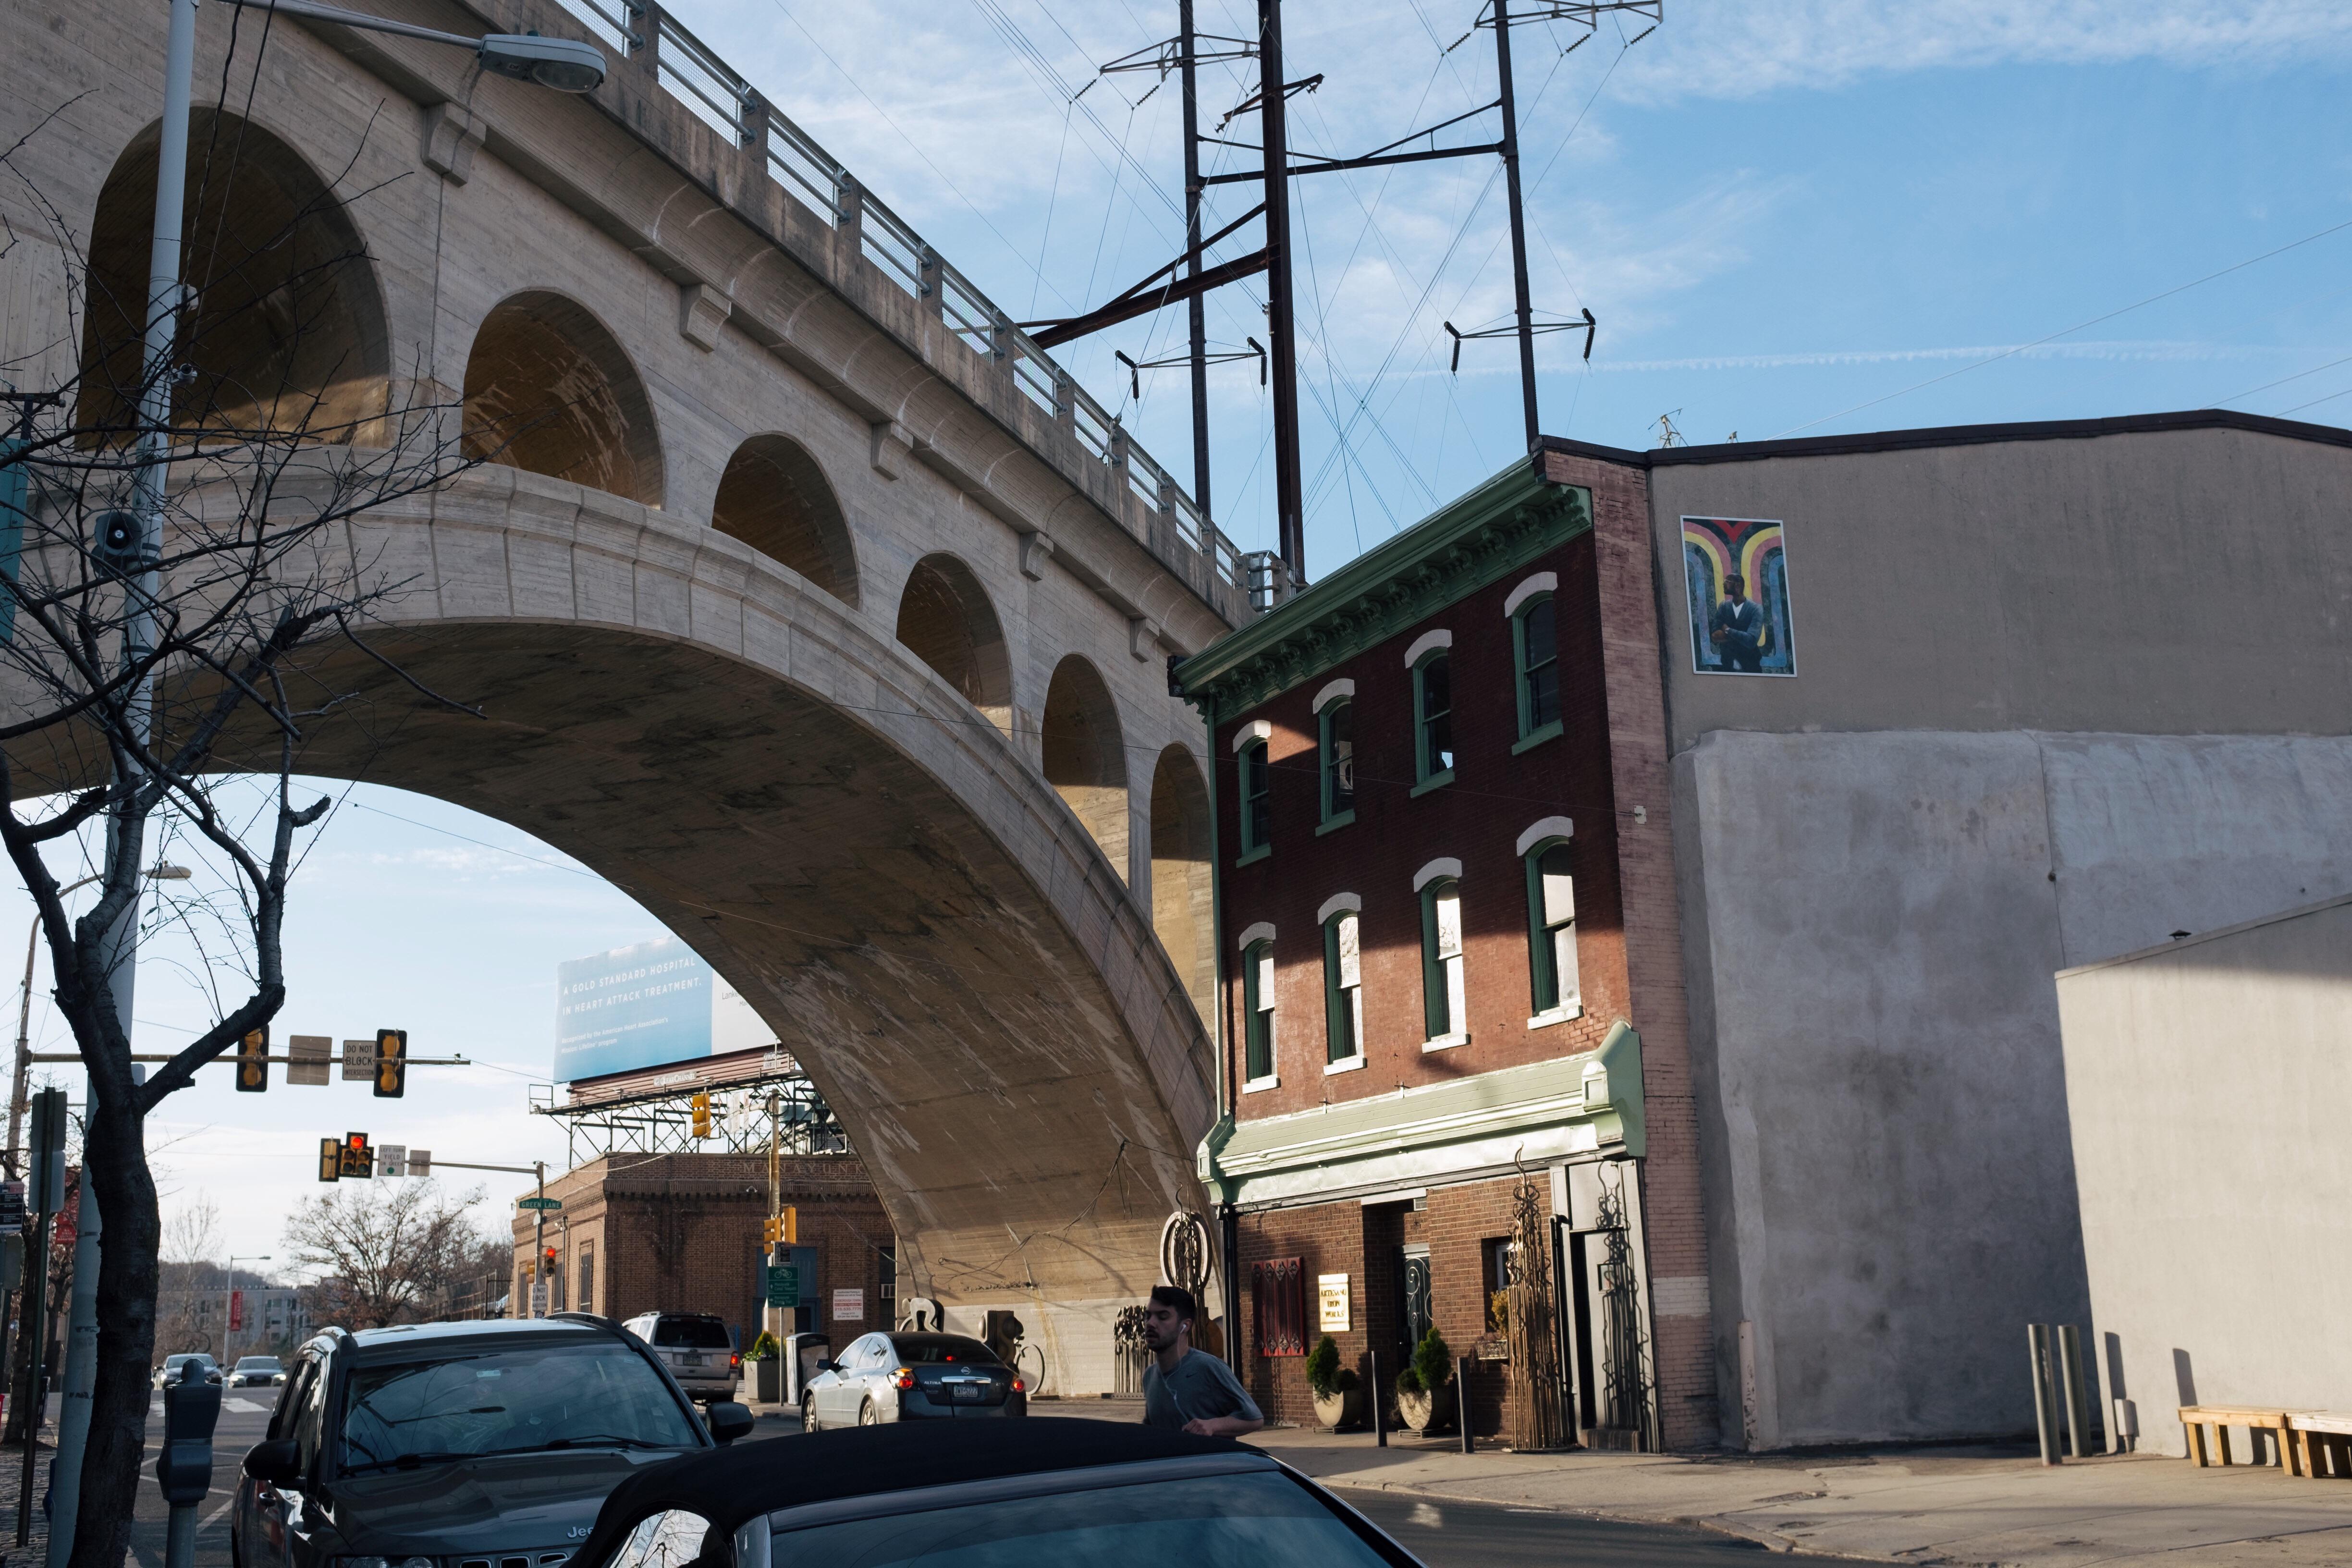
point(1462, 1401)
point(1380, 1420)
point(2077, 1392)
point(2046, 1391)
point(184, 1468)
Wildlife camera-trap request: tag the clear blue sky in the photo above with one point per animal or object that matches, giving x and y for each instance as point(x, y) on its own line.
point(1786, 216)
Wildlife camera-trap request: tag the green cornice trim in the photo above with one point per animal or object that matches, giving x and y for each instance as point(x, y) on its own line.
point(1501, 525)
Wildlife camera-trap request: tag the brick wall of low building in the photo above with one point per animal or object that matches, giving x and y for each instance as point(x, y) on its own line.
point(681, 1232)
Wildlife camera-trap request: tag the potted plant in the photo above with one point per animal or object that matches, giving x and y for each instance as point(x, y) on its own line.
point(1422, 1380)
point(1338, 1396)
point(767, 1369)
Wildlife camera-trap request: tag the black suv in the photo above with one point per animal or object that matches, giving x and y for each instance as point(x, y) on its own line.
point(472, 1445)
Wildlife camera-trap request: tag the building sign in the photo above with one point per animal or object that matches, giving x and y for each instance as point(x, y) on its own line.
point(849, 1306)
point(641, 1007)
point(1736, 575)
point(1331, 1298)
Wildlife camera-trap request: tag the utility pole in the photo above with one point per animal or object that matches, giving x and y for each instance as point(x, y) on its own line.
point(1518, 221)
point(1196, 308)
point(1290, 503)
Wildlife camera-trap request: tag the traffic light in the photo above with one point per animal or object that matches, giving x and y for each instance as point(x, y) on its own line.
point(253, 1061)
point(702, 1114)
point(358, 1159)
point(391, 1063)
point(772, 1230)
point(330, 1160)
point(792, 1226)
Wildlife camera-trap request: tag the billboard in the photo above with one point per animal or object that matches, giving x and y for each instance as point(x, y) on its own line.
point(642, 1006)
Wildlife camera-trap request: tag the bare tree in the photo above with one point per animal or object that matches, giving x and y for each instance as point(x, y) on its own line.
point(170, 586)
point(386, 1252)
point(187, 1276)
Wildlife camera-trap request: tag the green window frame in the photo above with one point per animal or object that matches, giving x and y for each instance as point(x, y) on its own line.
point(1535, 651)
point(1432, 717)
point(1443, 990)
point(1257, 1011)
point(1256, 798)
point(1335, 756)
point(1551, 928)
point(1343, 987)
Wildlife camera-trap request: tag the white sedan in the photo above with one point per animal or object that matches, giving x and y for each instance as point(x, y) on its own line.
point(883, 1378)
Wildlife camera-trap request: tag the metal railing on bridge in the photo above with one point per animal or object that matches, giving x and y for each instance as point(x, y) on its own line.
point(690, 71)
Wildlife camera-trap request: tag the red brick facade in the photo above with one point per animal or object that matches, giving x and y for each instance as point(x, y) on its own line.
point(1607, 772)
point(682, 1233)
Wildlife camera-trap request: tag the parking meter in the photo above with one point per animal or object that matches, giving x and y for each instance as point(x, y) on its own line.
point(191, 1410)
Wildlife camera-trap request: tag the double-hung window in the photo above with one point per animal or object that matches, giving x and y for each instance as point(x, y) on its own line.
point(1334, 755)
point(1343, 988)
point(1257, 1011)
point(1552, 929)
point(1432, 713)
point(1535, 644)
point(1444, 1004)
point(1257, 807)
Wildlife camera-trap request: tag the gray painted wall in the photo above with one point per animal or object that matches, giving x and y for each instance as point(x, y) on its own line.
point(1871, 922)
point(2210, 1084)
point(2183, 582)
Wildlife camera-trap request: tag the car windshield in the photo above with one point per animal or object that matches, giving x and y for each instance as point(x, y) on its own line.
point(691, 1333)
point(1205, 1521)
point(931, 1350)
point(174, 1360)
point(508, 1399)
point(258, 1364)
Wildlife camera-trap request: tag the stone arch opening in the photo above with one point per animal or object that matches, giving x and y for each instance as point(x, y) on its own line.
point(775, 498)
point(945, 620)
point(1086, 757)
point(549, 390)
point(1181, 906)
point(287, 334)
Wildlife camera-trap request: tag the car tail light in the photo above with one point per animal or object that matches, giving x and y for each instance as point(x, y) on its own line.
point(1017, 1387)
point(905, 1378)
point(735, 1362)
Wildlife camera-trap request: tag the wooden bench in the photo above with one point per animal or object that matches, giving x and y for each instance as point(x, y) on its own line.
point(2322, 1442)
point(2195, 1418)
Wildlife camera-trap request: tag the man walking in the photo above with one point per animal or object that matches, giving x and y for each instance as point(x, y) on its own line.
point(1185, 1389)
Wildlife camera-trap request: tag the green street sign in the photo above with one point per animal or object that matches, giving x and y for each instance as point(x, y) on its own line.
point(785, 1286)
point(539, 1203)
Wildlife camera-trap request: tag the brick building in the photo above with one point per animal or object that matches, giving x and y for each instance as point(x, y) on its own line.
point(1449, 960)
point(640, 1233)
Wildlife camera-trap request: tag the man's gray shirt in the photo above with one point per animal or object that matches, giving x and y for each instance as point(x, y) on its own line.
point(1200, 1388)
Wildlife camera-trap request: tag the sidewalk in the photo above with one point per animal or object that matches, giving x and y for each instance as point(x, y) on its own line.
point(1956, 1506)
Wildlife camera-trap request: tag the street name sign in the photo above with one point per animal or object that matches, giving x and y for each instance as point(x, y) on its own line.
point(539, 1203)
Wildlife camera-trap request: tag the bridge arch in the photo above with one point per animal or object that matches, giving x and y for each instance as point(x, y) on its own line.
point(1085, 755)
point(549, 389)
point(288, 333)
point(1181, 910)
point(775, 498)
point(945, 619)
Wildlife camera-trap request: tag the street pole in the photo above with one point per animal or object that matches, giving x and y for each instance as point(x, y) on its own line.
point(25, 1041)
point(1272, 120)
point(1196, 308)
point(1518, 222)
point(229, 1321)
point(539, 1245)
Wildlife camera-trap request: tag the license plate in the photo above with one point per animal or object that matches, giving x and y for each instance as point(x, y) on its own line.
point(971, 1393)
point(690, 1361)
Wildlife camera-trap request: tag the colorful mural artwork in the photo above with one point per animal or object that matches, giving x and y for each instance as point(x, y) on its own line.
point(1737, 571)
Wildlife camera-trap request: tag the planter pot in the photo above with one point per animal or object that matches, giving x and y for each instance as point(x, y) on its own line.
point(768, 1380)
point(1339, 1409)
point(1421, 1410)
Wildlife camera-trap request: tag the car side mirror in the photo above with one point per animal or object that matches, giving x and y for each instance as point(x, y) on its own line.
point(278, 1462)
point(729, 1420)
point(825, 1365)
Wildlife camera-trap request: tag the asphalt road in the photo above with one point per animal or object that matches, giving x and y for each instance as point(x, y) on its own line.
point(1442, 1534)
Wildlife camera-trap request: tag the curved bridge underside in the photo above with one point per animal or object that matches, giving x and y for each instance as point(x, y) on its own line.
point(858, 849)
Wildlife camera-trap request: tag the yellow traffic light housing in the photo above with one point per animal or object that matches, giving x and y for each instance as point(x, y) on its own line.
point(702, 1114)
point(772, 1230)
point(791, 1221)
point(253, 1061)
point(330, 1159)
point(391, 1063)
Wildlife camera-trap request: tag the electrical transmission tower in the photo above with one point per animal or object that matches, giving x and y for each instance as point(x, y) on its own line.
point(1187, 280)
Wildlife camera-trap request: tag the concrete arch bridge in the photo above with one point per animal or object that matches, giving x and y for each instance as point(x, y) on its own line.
point(807, 600)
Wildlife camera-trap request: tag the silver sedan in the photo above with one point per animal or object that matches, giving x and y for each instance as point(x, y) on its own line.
point(883, 1378)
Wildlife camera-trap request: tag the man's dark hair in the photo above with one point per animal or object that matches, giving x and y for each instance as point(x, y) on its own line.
point(1176, 1296)
point(1734, 580)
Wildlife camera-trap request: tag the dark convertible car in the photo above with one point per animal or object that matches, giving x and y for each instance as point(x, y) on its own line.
point(998, 1494)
